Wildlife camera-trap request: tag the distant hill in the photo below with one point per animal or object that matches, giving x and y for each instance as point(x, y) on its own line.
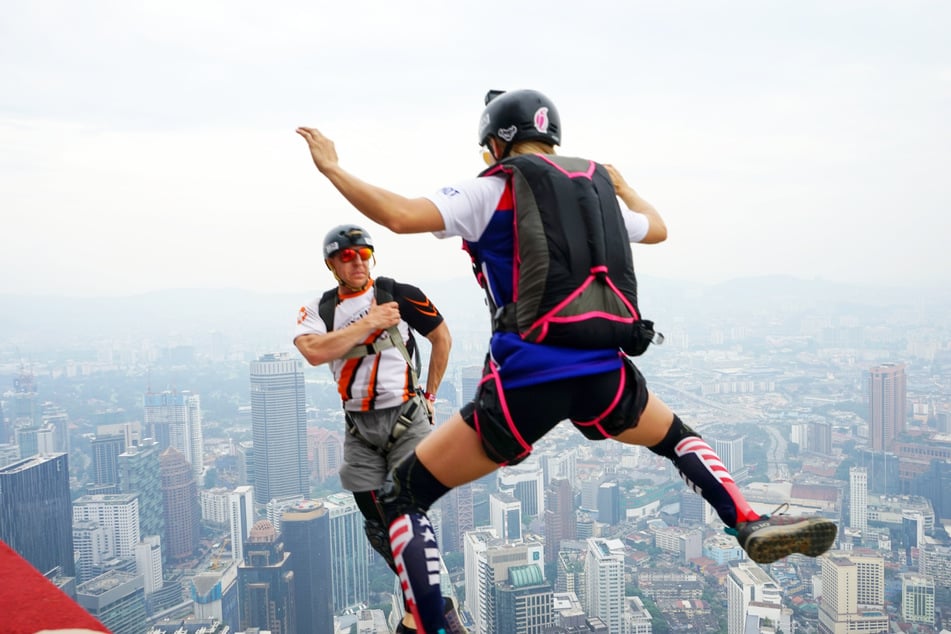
point(236, 313)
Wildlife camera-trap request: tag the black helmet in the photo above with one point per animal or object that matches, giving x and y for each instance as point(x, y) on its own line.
point(519, 115)
point(344, 236)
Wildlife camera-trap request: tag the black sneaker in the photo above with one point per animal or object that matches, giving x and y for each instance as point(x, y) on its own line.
point(773, 537)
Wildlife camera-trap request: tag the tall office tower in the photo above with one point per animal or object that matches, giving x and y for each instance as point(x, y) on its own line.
point(27, 440)
point(590, 486)
point(562, 464)
point(57, 419)
point(604, 582)
point(886, 404)
point(458, 517)
point(140, 472)
point(35, 493)
point(819, 438)
point(274, 509)
point(934, 484)
point(266, 583)
point(306, 532)
point(278, 425)
point(26, 411)
point(748, 584)
point(174, 420)
point(469, 377)
point(523, 601)
point(148, 563)
point(917, 598)
point(730, 450)
point(349, 555)
point(493, 565)
point(118, 515)
point(105, 459)
point(244, 452)
point(883, 473)
point(694, 510)
point(117, 599)
point(505, 516)
point(325, 449)
point(9, 453)
point(853, 594)
point(180, 501)
point(526, 482)
point(559, 517)
point(858, 498)
point(610, 508)
point(240, 518)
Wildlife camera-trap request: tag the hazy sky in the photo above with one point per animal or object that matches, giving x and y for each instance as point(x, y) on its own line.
point(151, 145)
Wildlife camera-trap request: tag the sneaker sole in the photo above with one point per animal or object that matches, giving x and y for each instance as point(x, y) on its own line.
point(811, 537)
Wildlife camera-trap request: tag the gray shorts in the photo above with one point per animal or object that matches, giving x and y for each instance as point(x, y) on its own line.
point(364, 469)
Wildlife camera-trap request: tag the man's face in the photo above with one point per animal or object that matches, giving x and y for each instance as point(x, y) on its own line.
point(352, 265)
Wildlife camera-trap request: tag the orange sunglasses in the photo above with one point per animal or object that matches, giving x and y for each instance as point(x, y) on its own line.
point(346, 255)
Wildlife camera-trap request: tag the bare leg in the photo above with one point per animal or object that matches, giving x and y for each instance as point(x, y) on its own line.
point(453, 453)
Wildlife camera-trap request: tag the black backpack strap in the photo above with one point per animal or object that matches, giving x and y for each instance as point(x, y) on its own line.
point(326, 307)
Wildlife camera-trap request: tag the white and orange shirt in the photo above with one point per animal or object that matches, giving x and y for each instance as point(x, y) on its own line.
point(380, 380)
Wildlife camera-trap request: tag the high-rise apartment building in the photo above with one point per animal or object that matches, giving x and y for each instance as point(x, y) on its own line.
point(886, 404)
point(325, 452)
point(853, 593)
point(306, 532)
point(140, 472)
point(917, 598)
point(240, 518)
point(730, 449)
point(34, 493)
point(266, 583)
point(279, 425)
point(174, 419)
point(750, 591)
point(610, 507)
point(349, 555)
point(118, 515)
point(604, 582)
point(858, 498)
point(525, 481)
point(180, 501)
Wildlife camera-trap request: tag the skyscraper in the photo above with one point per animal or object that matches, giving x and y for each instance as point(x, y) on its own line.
point(140, 472)
point(306, 532)
point(526, 481)
point(117, 599)
point(524, 601)
point(604, 582)
point(266, 582)
point(730, 450)
point(180, 501)
point(858, 498)
point(917, 598)
point(559, 517)
point(610, 510)
point(241, 518)
point(105, 460)
point(458, 517)
point(886, 404)
point(34, 493)
point(278, 425)
point(174, 420)
point(349, 568)
point(505, 516)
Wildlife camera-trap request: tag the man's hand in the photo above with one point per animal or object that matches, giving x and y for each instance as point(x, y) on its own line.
point(321, 149)
point(382, 316)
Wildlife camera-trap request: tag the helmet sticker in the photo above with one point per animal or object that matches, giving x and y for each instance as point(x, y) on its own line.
point(507, 134)
point(484, 123)
point(331, 247)
point(541, 119)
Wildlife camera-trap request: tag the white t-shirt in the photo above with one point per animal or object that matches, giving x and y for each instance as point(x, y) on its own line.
point(467, 208)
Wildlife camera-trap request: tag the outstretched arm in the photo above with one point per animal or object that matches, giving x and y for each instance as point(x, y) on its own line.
point(657, 231)
point(395, 212)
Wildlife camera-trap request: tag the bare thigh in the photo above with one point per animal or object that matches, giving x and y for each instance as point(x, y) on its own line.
point(454, 454)
point(651, 427)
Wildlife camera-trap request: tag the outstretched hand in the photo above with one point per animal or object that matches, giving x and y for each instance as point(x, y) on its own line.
point(322, 149)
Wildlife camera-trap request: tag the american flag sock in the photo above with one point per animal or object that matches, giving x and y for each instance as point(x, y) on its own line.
point(417, 563)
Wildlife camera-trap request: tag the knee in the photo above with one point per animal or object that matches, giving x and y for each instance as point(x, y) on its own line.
point(379, 540)
point(677, 432)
